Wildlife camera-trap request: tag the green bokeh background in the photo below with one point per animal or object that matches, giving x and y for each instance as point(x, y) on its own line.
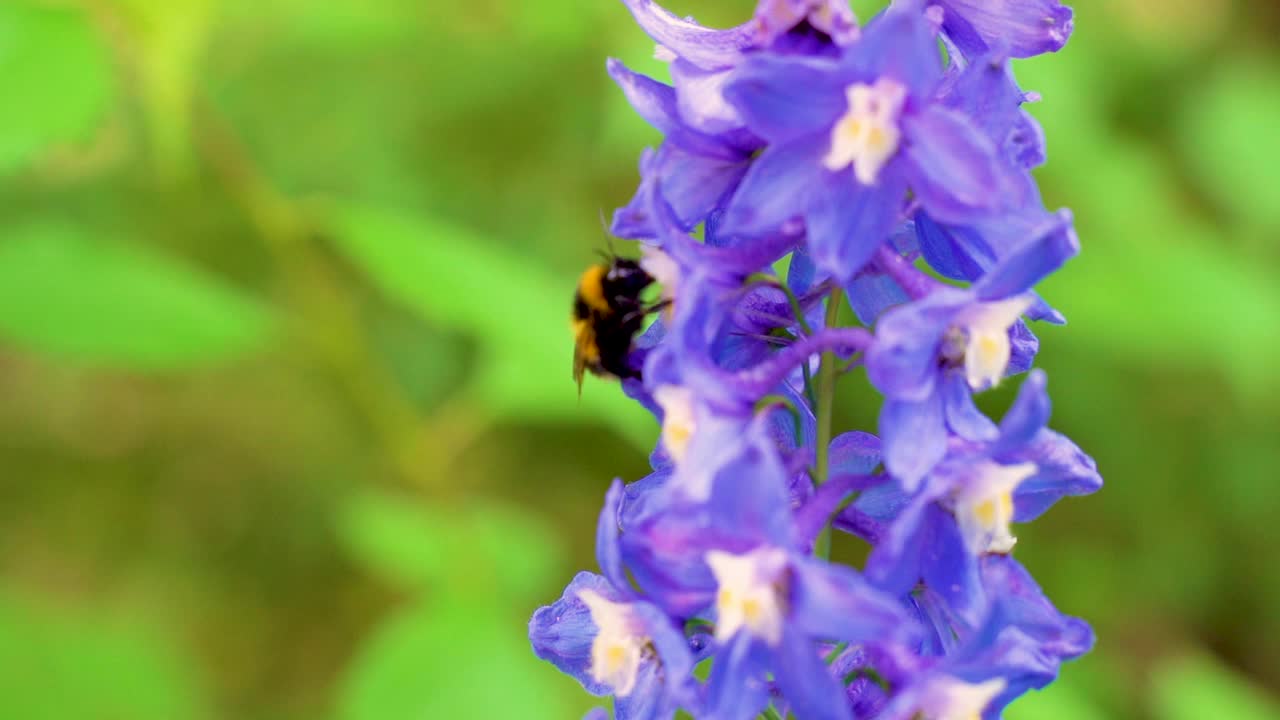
point(286, 423)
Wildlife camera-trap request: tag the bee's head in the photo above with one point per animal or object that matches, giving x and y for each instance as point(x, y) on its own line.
point(627, 277)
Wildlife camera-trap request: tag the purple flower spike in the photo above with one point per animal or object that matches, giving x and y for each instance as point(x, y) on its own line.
point(897, 179)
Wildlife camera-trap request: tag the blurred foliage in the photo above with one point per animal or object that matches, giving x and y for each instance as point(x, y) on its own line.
point(288, 429)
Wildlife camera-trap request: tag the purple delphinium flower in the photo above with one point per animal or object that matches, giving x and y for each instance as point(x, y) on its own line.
point(931, 354)
point(857, 156)
point(965, 507)
point(613, 641)
point(849, 136)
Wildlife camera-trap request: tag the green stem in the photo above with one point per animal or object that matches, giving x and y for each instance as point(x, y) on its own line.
point(826, 407)
point(771, 714)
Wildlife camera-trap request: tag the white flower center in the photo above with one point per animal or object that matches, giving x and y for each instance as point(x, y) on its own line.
point(663, 269)
point(986, 355)
point(678, 422)
point(952, 699)
point(617, 650)
point(867, 135)
point(984, 506)
point(748, 595)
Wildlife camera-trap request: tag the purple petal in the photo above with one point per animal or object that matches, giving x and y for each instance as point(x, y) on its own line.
point(608, 552)
point(665, 556)
point(1024, 346)
point(783, 98)
point(801, 273)
point(874, 510)
point(854, 453)
point(834, 18)
point(750, 495)
point(656, 103)
point(834, 602)
point(1026, 417)
point(988, 94)
point(648, 700)
point(774, 190)
point(1024, 27)
point(958, 253)
point(669, 642)
point(894, 563)
point(633, 220)
point(846, 221)
point(902, 363)
point(872, 292)
point(701, 99)
point(1025, 144)
point(915, 437)
point(1025, 639)
point(562, 633)
point(1052, 243)
point(736, 688)
point(702, 46)
point(1063, 469)
point(949, 570)
point(900, 43)
point(956, 172)
point(806, 681)
point(695, 185)
point(813, 516)
point(963, 417)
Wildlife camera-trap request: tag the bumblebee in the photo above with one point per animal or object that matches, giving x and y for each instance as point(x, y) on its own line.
point(607, 314)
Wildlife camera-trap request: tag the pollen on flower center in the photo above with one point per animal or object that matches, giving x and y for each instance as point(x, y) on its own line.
point(749, 597)
point(984, 507)
point(618, 647)
point(952, 699)
point(867, 135)
point(987, 352)
point(678, 421)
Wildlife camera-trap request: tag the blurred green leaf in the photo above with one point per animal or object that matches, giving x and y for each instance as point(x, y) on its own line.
point(1195, 687)
point(64, 293)
point(525, 552)
point(1227, 131)
point(336, 25)
point(54, 77)
point(167, 39)
point(400, 541)
point(55, 667)
point(516, 310)
point(1153, 281)
point(457, 658)
point(488, 548)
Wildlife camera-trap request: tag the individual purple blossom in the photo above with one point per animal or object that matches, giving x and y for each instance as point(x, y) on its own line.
point(935, 534)
point(849, 136)
point(615, 644)
point(930, 355)
point(612, 640)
